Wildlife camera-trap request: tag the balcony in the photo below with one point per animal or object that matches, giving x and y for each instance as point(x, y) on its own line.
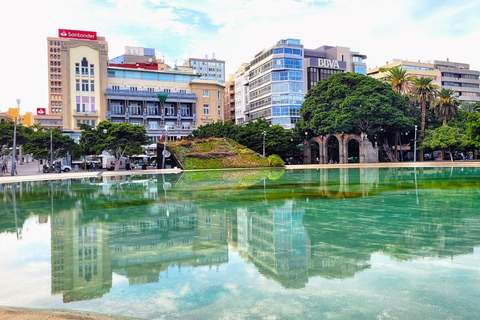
point(150, 95)
point(85, 113)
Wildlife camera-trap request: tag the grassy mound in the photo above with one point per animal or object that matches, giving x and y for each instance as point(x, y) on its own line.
point(216, 153)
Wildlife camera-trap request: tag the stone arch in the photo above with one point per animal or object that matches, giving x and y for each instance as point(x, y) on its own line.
point(348, 139)
point(329, 157)
point(366, 152)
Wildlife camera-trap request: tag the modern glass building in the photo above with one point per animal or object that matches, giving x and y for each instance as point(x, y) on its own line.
point(276, 84)
point(279, 77)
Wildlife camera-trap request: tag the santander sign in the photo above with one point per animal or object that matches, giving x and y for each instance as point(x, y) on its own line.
point(77, 34)
point(41, 111)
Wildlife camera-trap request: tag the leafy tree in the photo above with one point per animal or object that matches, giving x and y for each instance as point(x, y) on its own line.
point(354, 103)
point(473, 129)
point(399, 80)
point(470, 107)
point(118, 139)
point(446, 106)
point(445, 138)
point(277, 139)
point(38, 143)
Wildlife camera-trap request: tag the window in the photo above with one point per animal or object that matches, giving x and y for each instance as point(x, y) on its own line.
point(135, 109)
point(84, 85)
point(185, 125)
point(205, 93)
point(78, 107)
point(219, 111)
point(184, 110)
point(93, 123)
point(151, 89)
point(166, 90)
point(116, 87)
point(77, 69)
point(152, 125)
point(135, 122)
point(170, 125)
point(91, 70)
point(206, 109)
point(219, 95)
point(84, 67)
point(133, 88)
point(169, 109)
point(92, 86)
point(77, 85)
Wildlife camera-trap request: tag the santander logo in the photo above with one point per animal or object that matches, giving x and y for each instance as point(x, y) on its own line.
point(77, 34)
point(63, 33)
point(41, 111)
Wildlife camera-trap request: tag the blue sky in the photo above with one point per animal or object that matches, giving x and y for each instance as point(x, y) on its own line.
point(234, 30)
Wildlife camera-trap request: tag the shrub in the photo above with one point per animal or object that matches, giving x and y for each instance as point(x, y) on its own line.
point(275, 161)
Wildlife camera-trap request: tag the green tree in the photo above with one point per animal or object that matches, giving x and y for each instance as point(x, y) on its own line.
point(424, 90)
point(118, 139)
point(38, 143)
point(473, 129)
point(398, 78)
point(354, 103)
point(446, 105)
point(470, 107)
point(445, 138)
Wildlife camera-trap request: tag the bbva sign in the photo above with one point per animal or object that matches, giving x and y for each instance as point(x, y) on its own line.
point(327, 63)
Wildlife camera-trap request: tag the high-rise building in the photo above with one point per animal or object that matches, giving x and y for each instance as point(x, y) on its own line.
point(77, 62)
point(209, 69)
point(279, 77)
point(229, 99)
point(241, 94)
point(453, 75)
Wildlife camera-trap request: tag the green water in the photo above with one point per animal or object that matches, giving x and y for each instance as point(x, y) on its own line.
point(368, 243)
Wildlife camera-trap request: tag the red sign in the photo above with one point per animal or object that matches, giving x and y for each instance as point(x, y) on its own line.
point(41, 111)
point(77, 34)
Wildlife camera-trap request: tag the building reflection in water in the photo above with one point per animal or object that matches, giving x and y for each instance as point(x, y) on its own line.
point(290, 226)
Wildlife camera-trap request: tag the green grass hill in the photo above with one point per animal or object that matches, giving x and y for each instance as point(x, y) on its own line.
point(218, 153)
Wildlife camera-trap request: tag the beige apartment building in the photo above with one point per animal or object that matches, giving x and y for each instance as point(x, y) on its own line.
point(229, 99)
point(61, 80)
point(209, 100)
point(454, 75)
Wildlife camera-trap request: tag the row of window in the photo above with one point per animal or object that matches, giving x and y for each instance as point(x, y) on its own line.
point(85, 85)
point(467, 94)
point(293, 87)
point(55, 56)
point(50, 121)
point(460, 84)
point(55, 77)
point(154, 76)
point(288, 63)
point(260, 92)
point(55, 70)
point(56, 43)
point(56, 103)
point(287, 75)
point(56, 110)
point(258, 82)
point(286, 111)
point(56, 90)
point(261, 69)
point(459, 76)
point(287, 98)
point(297, 52)
point(86, 121)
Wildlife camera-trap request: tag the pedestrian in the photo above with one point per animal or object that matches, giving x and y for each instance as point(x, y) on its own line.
point(4, 168)
point(76, 168)
point(93, 166)
point(15, 167)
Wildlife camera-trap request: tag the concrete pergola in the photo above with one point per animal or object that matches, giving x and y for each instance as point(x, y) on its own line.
point(367, 152)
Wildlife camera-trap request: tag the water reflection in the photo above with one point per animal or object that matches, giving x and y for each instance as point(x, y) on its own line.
point(291, 225)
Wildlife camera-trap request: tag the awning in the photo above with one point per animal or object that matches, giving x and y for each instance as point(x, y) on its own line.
point(162, 97)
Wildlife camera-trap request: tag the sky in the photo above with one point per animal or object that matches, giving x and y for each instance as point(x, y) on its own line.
point(416, 30)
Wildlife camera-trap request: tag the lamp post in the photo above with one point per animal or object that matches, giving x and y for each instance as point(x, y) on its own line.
point(415, 146)
point(264, 133)
point(14, 148)
point(165, 146)
point(305, 149)
point(51, 148)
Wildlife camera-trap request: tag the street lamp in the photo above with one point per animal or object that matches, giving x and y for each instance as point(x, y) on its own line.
point(264, 133)
point(51, 148)
point(415, 146)
point(305, 148)
point(165, 146)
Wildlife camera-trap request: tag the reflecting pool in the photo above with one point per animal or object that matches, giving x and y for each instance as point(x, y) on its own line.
point(363, 243)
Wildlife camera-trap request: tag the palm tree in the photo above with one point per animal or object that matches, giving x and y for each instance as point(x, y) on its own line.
point(446, 106)
point(424, 89)
point(399, 80)
point(470, 107)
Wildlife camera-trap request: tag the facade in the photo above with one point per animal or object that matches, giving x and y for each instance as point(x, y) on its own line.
point(208, 69)
point(456, 76)
point(279, 77)
point(154, 99)
point(322, 62)
point(59, 72)
point(5, 117)
point(209, 100)
point(229, 99)
point(241, 94)
point(25, 119)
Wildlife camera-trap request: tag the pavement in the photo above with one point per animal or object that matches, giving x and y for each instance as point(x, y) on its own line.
point(32, 171)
